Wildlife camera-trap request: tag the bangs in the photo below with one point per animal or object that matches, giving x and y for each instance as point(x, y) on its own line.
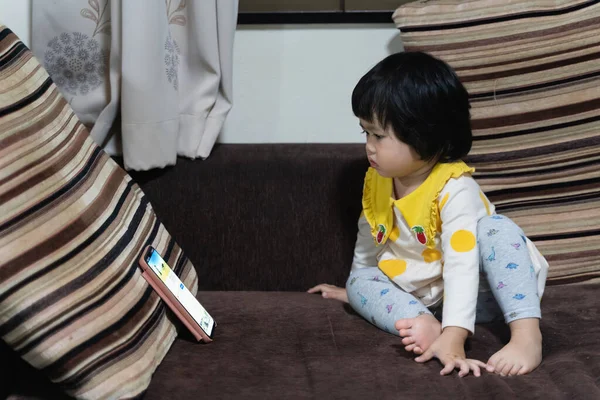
point(371, 101)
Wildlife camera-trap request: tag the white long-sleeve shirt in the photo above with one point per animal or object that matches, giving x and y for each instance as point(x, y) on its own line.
point(427, 240)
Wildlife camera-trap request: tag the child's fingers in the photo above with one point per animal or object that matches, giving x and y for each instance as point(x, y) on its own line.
point(477, 362)
point(333, 294)
point(449, 366)
point(428, 355)
point(475, 368)
point(318, 288)
point(465, 368)
point(470, 365)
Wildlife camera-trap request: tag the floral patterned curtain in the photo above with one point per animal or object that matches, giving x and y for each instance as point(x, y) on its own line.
point(152, 78)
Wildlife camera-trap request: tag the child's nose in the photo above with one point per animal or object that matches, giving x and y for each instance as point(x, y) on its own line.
point(370, 146)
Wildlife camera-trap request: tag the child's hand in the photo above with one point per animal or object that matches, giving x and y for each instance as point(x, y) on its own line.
point(330, 292)
point(449, 348)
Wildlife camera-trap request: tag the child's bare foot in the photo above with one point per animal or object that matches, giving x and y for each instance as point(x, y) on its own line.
point(419, 333)
point(524, 351)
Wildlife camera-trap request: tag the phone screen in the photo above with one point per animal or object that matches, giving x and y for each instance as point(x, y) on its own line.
point(181, 293)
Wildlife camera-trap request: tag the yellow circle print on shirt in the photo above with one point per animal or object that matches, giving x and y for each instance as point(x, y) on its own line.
point(392, 268)
point(462, 241)
point(431, 255)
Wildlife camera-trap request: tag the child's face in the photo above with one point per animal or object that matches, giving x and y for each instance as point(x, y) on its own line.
point(388, 155)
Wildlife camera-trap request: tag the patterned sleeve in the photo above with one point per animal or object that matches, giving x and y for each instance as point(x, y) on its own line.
point(365, 251)
point(461, 206)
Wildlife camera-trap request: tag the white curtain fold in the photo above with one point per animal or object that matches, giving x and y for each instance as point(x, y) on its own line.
point(163, 66)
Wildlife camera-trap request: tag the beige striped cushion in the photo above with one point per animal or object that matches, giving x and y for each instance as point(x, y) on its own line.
point(532, 69)
point(72, 226)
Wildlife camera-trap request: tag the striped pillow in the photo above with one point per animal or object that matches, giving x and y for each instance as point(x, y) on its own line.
point(532, 69)
point(72, 226)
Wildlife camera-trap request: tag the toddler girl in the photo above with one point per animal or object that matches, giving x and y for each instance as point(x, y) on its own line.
point(430, 247)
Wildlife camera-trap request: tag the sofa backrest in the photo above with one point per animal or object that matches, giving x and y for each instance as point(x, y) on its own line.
point(265, 216)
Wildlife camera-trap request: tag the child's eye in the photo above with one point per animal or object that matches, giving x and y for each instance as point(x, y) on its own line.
point(378, 137)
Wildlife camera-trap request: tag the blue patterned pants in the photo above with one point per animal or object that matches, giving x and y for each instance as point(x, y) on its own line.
point(508, 282)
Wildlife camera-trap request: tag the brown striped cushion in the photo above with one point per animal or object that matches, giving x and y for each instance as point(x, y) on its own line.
point(532, 69)
point(72, 226)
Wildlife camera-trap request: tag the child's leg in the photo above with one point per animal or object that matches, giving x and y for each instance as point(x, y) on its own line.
point(507, 265)
point(379, 300)
point(383, 303)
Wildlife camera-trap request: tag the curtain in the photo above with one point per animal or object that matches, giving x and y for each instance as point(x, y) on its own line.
point(151, 78)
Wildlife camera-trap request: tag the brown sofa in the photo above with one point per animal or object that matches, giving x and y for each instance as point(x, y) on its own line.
point(262, 223)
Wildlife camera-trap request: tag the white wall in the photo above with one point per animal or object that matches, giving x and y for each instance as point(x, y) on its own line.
point(292, 83)
point(16, 14)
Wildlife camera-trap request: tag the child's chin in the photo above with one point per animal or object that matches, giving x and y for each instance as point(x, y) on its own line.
point(383, 173)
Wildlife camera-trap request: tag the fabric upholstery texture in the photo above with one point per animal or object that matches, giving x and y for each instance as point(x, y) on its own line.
point(532, 69)
point(270, 217)
point(284, 345)
point(73, 224)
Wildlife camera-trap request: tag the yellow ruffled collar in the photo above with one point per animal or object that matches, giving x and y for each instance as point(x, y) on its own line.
point(419, 208)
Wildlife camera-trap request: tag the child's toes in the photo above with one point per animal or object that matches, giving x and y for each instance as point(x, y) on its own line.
point(492, 364)
point(524, 370)
point(504, 368)
point(405, 332)
point(408, 340)
point(410, 347)
point(497, 365)
point(515, 370)
point(405, 323)
point(417, 350)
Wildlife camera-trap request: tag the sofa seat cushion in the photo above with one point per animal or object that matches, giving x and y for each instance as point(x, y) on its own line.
point(296, 345)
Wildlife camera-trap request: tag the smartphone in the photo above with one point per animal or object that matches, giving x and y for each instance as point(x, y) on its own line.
point(181, 301)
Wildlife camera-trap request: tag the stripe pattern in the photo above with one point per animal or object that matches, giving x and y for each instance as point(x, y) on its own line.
point(73, 224)
point(532, 69)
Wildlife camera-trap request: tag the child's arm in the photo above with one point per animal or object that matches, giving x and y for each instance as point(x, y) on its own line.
point(365, 251)
point(461, 206)
point(365, 255)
